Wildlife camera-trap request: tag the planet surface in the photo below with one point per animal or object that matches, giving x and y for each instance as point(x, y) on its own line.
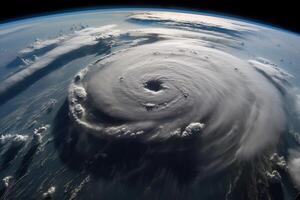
point(148, 104)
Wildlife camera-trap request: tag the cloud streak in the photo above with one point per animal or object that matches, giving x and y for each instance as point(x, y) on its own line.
point(60, 51)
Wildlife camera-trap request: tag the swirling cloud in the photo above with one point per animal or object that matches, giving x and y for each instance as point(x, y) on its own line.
point(173, 83)
point(180, 87)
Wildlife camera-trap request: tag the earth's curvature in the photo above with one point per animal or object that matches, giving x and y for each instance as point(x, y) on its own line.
point(148, 104)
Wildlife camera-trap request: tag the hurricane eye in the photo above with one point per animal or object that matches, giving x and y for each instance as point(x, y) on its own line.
point(154, 85)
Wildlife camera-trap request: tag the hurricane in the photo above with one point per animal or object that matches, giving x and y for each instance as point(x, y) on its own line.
point(173, 86)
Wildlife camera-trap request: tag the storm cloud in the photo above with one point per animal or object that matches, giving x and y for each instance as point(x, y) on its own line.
point(180, 87)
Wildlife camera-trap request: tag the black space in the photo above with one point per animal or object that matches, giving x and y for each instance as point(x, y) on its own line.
point(283, 13)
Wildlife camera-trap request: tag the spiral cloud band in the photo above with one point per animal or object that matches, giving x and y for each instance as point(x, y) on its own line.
point(178, 89)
